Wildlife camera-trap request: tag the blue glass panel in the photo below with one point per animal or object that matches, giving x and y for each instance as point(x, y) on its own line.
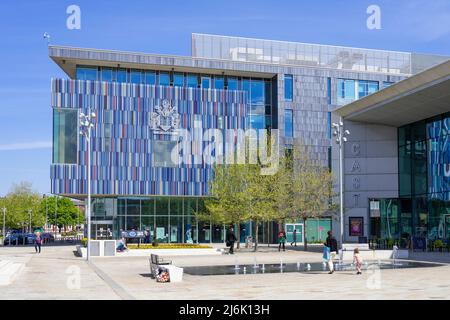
point(206, 82)
point(164, 79)
point(373, 86)
point(87, 73)
point(329, 90)
point(246, 86)
point(349, 87)
point(288, 123)
point(232, 83)
point(178, 79)
point(257, 122)
point(150, 77)
point(135, 76)
point(192, 81)
point(257, 92)
point(329, 126)
point(219, 83)
point(107, 74)
point(268, 92)
point(122, 75)
point(288, 87)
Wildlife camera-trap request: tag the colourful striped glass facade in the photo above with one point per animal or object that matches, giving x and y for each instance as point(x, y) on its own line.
point(123, 142)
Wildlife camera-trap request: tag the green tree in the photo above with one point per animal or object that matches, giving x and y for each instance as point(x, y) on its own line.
point(227, 203)
point(67, 214)
point(19, 203)
point(310, 190)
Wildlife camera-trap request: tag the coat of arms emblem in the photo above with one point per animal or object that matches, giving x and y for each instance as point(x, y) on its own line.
point(164, 118)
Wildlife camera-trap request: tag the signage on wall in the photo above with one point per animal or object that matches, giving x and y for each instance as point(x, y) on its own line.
point(356, 226)
point(132, 234)
point(165, 118)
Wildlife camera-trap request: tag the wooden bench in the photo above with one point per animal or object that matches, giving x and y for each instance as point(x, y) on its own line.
point(155, 262)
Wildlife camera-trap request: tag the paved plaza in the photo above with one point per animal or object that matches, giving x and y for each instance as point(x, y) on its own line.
point(57, 273)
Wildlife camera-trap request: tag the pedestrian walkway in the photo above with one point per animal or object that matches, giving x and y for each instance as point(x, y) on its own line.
point(53, 274)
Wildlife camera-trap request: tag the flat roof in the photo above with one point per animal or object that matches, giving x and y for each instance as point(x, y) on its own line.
point(418, 97)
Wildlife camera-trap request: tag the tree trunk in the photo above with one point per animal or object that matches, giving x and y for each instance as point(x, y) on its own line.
point(238, 229)
point(304, 235)
point(256, 236)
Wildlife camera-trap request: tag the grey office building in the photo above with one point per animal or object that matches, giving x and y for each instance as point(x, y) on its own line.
point(293, 87)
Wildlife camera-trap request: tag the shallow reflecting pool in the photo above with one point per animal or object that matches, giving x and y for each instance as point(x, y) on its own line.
point(299, 267)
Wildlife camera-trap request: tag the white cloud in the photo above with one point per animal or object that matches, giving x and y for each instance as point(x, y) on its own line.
point(26, 145)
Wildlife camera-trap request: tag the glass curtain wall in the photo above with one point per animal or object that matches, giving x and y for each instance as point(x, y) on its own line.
point(168, 219)
point(424, 177)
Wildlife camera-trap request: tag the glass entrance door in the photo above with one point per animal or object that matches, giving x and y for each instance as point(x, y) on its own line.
point(290, 227)
point(103, 231)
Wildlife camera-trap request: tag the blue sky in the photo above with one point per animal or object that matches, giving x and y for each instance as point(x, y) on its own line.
point(166, 27)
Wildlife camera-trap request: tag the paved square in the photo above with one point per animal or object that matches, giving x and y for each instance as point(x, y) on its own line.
point(53, 273)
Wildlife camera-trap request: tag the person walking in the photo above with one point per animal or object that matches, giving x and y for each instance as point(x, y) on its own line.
point(294, 238)
point(146, 236)
point(357, 260)
point(231, 238)
point(38, 242)
point(332, 244)
point(281, 240)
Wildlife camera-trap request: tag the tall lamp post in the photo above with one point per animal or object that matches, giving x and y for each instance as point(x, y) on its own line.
point(4, 225)
point(340, 134)
point(29, 213)
point(46, 212)
point(56, 212)
point(86, 124)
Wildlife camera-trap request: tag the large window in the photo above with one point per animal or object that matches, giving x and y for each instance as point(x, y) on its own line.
point(87, 73)
point(206, 82)
point(122, 75)
point(178, 79)
point(288, 87)
point(350, 90)
point(366, 87)
point(150, 77)
point(135, 76)
point(219, 82)
point(107, 74)
point(232, 84)
point(346, 91)
point(192, 81)
point(164, 79)
point(162, 153)
point(65, 135)
point(288, 123)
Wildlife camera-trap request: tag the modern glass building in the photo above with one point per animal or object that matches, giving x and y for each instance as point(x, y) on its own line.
point(402, 161)
point(156, 114)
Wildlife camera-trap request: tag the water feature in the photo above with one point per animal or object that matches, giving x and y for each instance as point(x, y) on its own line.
point(299, 268)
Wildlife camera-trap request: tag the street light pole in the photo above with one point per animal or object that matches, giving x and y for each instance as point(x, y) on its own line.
point(46, 214)
point(86, 124)
point(4, 225)
point(29, 227)
point(340, 135)
point(56, 210)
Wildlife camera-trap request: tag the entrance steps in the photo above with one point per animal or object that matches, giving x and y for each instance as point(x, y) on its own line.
point(9, 271)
